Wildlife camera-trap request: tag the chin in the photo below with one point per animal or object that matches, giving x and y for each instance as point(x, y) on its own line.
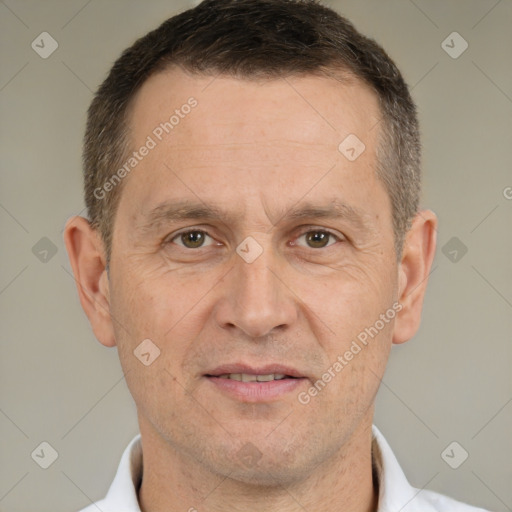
point(262, 478)
point(278, 464)
point(268, 474)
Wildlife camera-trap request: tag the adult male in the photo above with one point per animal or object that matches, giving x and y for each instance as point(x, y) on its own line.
point(254, 247)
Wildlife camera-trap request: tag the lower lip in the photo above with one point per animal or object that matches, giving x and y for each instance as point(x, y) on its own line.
point(256, 391)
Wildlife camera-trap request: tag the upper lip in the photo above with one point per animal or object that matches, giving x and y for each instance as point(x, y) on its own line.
point(254, 370)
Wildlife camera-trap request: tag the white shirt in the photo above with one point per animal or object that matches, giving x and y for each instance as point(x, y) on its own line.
point(395, 493)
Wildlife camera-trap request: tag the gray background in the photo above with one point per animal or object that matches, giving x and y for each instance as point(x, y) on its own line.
point(451, 383)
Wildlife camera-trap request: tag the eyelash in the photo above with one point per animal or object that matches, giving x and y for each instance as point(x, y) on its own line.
point(310, 229)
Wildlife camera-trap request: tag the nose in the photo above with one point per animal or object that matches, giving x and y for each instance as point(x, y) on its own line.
point(255, 299)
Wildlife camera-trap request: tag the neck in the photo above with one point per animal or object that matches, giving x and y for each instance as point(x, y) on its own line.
point(173, 482)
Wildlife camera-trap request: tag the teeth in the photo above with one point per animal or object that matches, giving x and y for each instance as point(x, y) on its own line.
point(265, 378)
point(245, 377)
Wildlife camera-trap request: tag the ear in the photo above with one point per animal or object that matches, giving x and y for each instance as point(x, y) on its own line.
point(417, 256)
point(87, 256)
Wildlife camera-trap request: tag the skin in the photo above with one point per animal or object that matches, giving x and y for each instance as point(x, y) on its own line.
point(256, 151)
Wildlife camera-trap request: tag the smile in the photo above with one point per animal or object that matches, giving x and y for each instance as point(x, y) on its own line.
point(255, 384)
point(248, 377)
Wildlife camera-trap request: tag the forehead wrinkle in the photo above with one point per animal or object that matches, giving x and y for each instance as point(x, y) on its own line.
point(264, 143)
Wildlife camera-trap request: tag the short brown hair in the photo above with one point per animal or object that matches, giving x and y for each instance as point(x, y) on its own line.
point(253, 39)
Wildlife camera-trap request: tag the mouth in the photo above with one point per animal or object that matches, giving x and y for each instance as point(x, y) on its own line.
point(249, 377)
point(255, 384)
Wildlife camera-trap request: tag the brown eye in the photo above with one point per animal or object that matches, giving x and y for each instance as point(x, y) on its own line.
point(192, 239)
point(317, 239)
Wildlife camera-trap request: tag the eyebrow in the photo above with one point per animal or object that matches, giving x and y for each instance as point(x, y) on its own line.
point(334, 209)
point(177, 211)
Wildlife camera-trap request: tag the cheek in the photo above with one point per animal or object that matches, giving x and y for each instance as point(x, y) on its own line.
point(165, 307)
point(355, 340)
point(346, 302)
point(153, 298)
point(350, 380)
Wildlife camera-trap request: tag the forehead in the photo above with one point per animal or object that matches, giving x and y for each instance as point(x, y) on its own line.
point(307, 109)
point(259, 135)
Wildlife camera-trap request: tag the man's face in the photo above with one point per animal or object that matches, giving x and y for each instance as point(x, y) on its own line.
point(264, 158)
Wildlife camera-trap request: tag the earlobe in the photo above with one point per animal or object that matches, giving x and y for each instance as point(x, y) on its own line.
point(414, 269)
point(87, 258)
